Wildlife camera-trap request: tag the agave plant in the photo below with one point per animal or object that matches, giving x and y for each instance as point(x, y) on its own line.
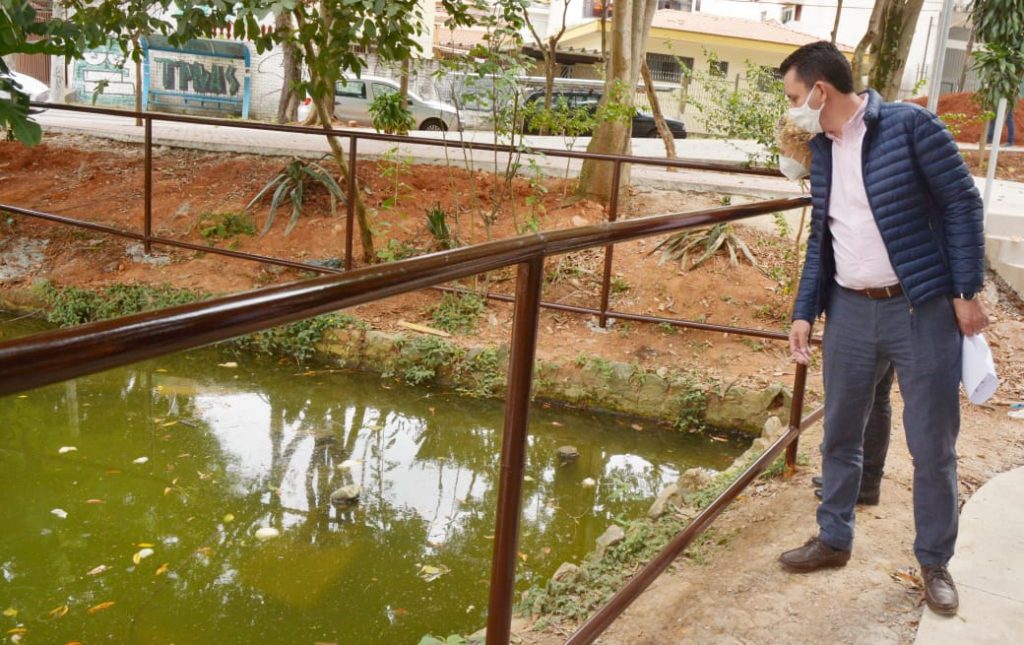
point(712, 239)
point(290, 184)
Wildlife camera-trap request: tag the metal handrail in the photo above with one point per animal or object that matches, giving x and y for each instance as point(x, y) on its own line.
point(54, 356)
point(77, 351)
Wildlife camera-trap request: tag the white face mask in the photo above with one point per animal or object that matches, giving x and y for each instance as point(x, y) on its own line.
point(792, 169)
point(806, 118)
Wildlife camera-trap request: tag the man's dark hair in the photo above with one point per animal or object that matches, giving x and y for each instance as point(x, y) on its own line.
point(820, 61)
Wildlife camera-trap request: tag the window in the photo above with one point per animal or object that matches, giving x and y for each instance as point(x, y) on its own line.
point(667, 68)
point(380, 89)
point(351, 89)
point(788, 14)
point(718, 68)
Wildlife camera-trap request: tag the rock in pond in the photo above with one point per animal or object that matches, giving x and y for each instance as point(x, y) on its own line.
point(346, 495)
point(612, 536)
point(568, 453)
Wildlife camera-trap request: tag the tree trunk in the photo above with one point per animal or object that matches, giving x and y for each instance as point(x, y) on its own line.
point(659, 119)
point(288, 105)
point(891, 44)
point(865, 43)
point(403, 81)
point(967, 61)
point(138, 83)
point(835, 26)
point(323, 109)
point(631, 24)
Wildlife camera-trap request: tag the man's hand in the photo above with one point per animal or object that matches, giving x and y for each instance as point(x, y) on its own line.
point(800, 341)
point(970, 316)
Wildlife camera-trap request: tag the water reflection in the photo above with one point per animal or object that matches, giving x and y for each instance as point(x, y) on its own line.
point(230, 450)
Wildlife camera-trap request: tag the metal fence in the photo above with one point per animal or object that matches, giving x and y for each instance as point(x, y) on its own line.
point(55, 356)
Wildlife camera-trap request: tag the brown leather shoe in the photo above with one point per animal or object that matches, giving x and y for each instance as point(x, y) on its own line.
point(939, 590)
point(813, 556)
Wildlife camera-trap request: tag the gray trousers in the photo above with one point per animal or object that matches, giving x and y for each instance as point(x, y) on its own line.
point(862, 337)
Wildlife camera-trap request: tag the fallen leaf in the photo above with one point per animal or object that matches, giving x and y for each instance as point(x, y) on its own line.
point(145, 545)
point(522, 556)
point(141, 555)
point(59, 512)
point(229, 518)
point(168, 424)
point(557, 424)
point(228, 364)
point(430, 573)
point(160, 369)
point(95, 571)
point(57, 612)
point(100, 607)
point(114, 471)
point(203, 476)
point(11, 612)
point(162, 569)
point(167, 490)
point(637, 427)
point(22, 396)
point(63, 450)
point(140, 460)
point(95, 501)
point(17, 630)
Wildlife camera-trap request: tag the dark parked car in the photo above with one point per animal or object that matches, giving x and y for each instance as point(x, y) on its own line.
point(643, 123)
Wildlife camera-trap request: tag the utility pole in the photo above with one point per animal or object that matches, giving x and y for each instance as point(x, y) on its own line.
point(940, 55)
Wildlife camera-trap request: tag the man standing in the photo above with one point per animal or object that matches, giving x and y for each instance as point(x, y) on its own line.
point(895, 258)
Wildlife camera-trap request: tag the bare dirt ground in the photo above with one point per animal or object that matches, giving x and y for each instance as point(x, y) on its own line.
point(733, 590)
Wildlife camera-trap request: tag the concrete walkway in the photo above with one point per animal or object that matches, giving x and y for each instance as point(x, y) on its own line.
point(988, 569)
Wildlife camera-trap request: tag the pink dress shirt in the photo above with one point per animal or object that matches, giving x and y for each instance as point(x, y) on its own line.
point(862, 261)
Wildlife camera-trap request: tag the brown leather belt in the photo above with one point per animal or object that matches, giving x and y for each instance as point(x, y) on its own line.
point(880, 293)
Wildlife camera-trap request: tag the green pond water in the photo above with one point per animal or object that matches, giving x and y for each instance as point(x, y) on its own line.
point(144, 487)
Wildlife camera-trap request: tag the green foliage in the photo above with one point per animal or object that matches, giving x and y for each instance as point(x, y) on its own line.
point(1000, 69)
point(677, 247)
point(219, 226)
point(481, 374)
point(422, 358)
point(619, 285)
point(298, 340)
point(395, 250)
point(290, 184)
point(750, 112)
point(392, 166)
point(955, 121)
point(70, 306)
point(690, 403)
point(437, 224)
point(459, 313)
point(390, 114)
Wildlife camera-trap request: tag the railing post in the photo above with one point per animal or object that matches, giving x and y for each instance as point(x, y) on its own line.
point(147, 223)
point(350, 212)
point(613, 214)
point(796, 412)
point(513, 450)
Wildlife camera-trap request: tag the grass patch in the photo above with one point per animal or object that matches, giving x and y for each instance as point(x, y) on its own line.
point(458, 313)
point(220, 226)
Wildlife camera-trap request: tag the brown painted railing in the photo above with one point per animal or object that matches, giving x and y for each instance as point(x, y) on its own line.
point(67, 353)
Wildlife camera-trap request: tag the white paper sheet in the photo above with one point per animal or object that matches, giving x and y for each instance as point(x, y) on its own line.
point(979, 370)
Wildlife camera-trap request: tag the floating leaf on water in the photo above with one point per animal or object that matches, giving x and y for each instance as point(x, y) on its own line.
point(162, 569)
point(140, 460)
point(57, 612)
point(11, 612)
point(160, 369)
point(95, 571)
point(714, 438)
point(17, 630)
point(522, 556)
point(557, 424)
point(527, 478)
point(470, 608)
point(430, 573)
point(141, 555)
point(59, 512)
point(637, 427)
point(588, 482)
point(63, 450)
point(95, 501)
point(229, 518)
point(22, 396)
point(168, 424)
point(266, 533)
point(228, 364)
point(100, 607)
point(145, 545)
point(114, 471)
point(167, 490)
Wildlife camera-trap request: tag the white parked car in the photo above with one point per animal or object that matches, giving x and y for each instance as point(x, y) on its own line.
point(352, 101)
point(37, 90)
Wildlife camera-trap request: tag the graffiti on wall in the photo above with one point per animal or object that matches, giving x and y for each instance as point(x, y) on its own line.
point(199, 77)
point(102, 74)
point(184, 76)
